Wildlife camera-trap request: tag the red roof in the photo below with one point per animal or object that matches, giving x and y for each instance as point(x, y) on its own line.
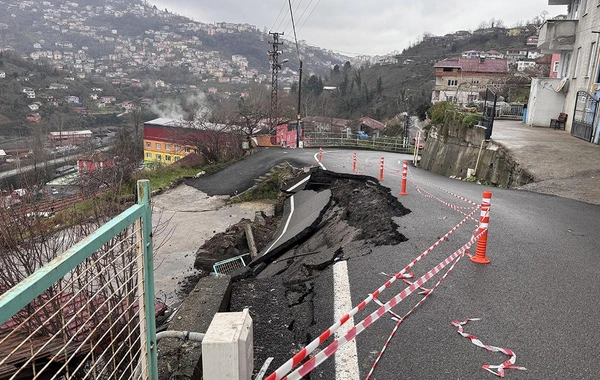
point(372, 123)
point(475, 65)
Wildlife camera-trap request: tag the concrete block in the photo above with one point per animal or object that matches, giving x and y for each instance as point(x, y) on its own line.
point(181, 360)
point(227, 348)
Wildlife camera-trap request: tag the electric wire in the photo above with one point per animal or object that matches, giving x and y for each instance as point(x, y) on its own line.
point(284, 18)
point(278, 15)
point(304, 12)
point(310, 14)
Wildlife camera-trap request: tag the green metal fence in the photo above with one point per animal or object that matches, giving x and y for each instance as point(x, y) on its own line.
point(388, 144)
point(89, 313)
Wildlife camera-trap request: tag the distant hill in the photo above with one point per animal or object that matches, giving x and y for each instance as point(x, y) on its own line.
point(406, 80)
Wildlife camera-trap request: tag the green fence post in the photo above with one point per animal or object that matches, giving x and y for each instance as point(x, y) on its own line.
point(143, 187)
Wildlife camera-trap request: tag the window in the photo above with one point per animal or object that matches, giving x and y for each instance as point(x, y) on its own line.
point(578, 54)
point(447, 69)
point(158, 157)
point(592, 59)
point(555, 67)
point(148, 145)
point(148, 155)
point(186, 149)
point(177, 148)
point(168, 158)
point(176, 159)
point(157, 145)
point(475, 81)
point(167, 146)
point(583, 7)
point(452, 82)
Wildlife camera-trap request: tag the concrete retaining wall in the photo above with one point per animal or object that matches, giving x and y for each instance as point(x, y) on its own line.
point(453, 152)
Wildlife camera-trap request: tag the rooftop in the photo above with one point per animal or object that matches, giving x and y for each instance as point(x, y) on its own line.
point(475, 65)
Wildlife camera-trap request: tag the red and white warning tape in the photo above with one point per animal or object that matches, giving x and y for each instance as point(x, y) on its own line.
point(303, 354)
point(497, 370)
point(399, 320)
point(332, 348)
point(452, 206)
point(414, 176)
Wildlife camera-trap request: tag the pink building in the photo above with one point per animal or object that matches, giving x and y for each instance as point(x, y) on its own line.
point(96, 161)
point(286, 134)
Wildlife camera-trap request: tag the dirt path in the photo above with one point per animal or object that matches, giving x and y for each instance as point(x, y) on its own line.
point(184, 218)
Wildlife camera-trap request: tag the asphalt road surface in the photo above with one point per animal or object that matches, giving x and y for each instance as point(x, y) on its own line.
point(240, 177)
point(538, 297)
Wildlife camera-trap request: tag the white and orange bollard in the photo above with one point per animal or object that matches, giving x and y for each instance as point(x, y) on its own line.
point(484, 222)
point(404, 175)
point(354, 162)
point(381, 170)
point(320, 155)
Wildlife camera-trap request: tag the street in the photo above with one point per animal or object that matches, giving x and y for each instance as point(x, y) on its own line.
point(533, 298)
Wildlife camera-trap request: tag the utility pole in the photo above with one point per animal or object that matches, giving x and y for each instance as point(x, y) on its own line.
point(299, 105)
point(275, 66)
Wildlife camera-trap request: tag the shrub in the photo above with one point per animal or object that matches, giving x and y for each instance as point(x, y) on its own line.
point(471, 119)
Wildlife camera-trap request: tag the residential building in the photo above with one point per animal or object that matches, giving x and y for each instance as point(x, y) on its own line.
point(578, 85)
point(325, 124)
point(168, 140)
point(93, 162)
point(34, 117)
point(524, 65)
point(287, 134)
point(372, 127)
point(64, 138)
point(461, 80)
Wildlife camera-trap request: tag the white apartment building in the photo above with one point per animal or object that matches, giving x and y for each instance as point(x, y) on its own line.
point(577, 89)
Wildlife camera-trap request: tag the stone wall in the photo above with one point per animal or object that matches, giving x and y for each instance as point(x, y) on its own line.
point(453, 151)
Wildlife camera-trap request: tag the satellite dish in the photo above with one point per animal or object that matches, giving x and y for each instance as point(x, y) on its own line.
point(562, 84)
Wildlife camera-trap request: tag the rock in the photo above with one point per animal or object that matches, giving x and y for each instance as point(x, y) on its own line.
point(259, 218)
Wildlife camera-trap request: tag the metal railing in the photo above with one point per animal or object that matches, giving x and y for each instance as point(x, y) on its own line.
point(389, 144)
point(89, 313)
point(512, 111)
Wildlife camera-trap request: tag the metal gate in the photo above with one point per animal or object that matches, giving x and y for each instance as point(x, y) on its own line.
point(584, 115)
point(489, 111)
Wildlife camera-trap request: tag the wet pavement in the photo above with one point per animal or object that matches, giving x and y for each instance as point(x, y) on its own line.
point(561, 164)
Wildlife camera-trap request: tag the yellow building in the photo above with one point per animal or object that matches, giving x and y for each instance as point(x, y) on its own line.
point(167, 141)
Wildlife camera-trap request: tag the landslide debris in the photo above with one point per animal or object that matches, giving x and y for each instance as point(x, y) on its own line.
point(282, 297)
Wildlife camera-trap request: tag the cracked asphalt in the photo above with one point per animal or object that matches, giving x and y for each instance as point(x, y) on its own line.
point(537, 297)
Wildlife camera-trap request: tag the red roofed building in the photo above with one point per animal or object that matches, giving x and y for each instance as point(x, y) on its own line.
point(371, 127)
point(95, 161)
point(460, 80)
point(168, 140)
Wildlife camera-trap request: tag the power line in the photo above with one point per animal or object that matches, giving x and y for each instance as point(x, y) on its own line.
point(303, 12)
point(281, 10)
point(284, 18)
point(310, 14)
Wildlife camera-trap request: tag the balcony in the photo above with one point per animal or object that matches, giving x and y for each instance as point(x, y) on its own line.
point(557, 36)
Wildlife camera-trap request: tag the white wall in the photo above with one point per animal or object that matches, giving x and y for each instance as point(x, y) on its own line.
point(544, 102)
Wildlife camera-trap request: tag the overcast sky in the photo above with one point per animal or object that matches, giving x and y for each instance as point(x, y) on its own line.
point(373, 27)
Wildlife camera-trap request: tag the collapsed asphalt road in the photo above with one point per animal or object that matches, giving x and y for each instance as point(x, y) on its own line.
point(536, 297)
point(358, 216)
point(240, 177)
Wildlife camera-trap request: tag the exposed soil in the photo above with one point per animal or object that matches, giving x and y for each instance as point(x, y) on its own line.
point(233, 242)
point(281, 297)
